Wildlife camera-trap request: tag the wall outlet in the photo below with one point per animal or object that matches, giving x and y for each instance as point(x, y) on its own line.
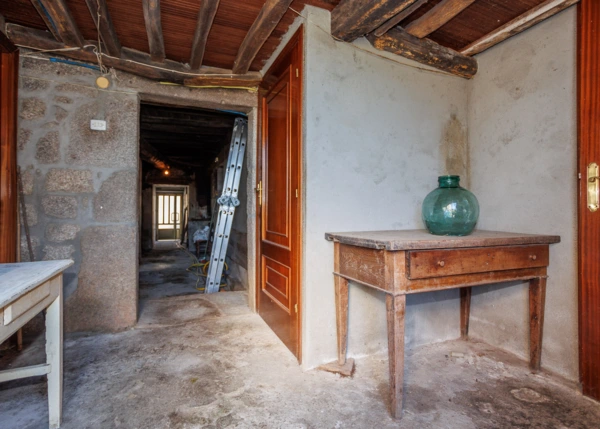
point(98, 125)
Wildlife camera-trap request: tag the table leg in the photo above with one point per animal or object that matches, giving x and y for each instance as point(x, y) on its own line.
point(396, 308)
point(537, 298)
point(341, 304)
point(54, 358)
point(465, 311)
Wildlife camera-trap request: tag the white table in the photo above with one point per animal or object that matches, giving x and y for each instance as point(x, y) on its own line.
point(25, 290)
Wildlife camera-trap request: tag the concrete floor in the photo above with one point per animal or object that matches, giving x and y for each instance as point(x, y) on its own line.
point(197, 361)
point(163, 273)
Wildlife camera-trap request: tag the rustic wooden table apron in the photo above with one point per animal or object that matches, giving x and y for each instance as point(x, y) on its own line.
point(26, 289)
point(413, 261)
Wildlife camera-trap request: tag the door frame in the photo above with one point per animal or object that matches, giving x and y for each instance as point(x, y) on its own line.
point(185, 203)
point(588, 129)
point(9, 213)
point(296, 40)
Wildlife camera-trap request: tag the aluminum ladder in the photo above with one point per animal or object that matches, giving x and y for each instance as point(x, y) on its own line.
point(228, 201)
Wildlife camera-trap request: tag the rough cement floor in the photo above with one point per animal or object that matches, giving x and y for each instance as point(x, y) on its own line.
point(163, 273)
point(200, 361)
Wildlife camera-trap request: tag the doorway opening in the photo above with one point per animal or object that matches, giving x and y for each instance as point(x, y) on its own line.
point(183, 156)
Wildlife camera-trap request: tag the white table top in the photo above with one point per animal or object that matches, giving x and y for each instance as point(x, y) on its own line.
point(18, 279)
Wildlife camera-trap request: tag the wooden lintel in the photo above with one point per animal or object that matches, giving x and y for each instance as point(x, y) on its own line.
point(132, 61)
point(439, 15)
point(352, 19)
point(154, 29)
point(425, 51)
point(399, 18)
point(206, 16)
point(105, 27)
point(517, 25)
point(59, 21)
point(246, 80)
point(268, 18)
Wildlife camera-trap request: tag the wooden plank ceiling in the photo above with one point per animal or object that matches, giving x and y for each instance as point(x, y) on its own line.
point(237, 37)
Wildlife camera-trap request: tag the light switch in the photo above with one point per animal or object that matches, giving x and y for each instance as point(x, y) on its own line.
point(98, 125)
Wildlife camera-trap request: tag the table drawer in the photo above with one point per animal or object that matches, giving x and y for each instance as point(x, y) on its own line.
point(26, 302)
point(422, 264)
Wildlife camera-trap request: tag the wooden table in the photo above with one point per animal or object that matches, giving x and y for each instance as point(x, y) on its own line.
point(26, 289)
point(413, 261)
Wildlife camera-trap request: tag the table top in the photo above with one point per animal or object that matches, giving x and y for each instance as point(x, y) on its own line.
point(18, 279)
point(415, 239)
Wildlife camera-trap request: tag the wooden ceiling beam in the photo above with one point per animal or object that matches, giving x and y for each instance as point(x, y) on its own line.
point(425, 51)
point(206, 16)
point(399, 18)
point(517, 25)
point(352, 19)
point(105, 27)
point(131, 61)
point(153, 21)
point(149, 154)
point(439, 15)
point(59, 21)
point(268, 18)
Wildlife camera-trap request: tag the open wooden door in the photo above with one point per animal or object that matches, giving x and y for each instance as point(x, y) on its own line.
point(279, 247)
point(9, 68)
point(589, 193)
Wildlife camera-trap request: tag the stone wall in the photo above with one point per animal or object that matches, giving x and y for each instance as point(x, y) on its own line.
point(82, 187)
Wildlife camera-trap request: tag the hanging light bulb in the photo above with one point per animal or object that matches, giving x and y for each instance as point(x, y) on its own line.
point(166, 172)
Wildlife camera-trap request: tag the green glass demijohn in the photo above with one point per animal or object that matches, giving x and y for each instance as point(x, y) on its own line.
point(450, 209)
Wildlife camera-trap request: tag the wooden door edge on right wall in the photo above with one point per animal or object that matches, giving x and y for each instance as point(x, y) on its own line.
point(588, 126)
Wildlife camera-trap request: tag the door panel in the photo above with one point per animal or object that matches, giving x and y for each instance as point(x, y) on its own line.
point(277, 166)
point(278, 294)
point(589, 221)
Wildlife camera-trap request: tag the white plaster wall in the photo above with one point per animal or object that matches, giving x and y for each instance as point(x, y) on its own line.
point(373, 137)
point(523, 141)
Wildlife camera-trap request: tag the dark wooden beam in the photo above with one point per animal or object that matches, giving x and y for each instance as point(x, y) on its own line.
point(59, 21)
point(517, 25)
point(206, 16)
point(149, 154)
point(105, 27)
point(268, 18)
point(135, 62)
point(425, 51)
point(352, 19)
point(440, 14)
point(399, 18)
point(182, 129)
point(154, 29)
point(6, 46)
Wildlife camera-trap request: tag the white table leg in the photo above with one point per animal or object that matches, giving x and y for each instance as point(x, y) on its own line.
point(54, 357)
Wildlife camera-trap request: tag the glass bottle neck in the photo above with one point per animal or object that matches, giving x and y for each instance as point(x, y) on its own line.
point(449, 181)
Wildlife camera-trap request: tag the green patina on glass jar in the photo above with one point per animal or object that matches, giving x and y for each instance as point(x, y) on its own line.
point(450, 209)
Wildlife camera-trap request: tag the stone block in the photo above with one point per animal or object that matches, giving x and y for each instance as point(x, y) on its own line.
point(57, 233)
point(106, 295)
point(32, 108)
point(117, 199)
point(117, 146)
point(33, 84)
point(61, 207)
point(27, 181)
point(46, 67)
point(35, 244)
point(48, 148)
point(84, 90)
point(63, 99)
point(60, 114)
point(53, 253)
point(32, 214)
point(23, 138)
point(65, 180)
